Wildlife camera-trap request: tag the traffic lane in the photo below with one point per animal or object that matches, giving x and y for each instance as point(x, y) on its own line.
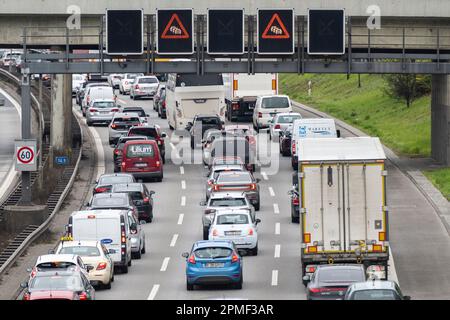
point(10, 124)
point(420, 243)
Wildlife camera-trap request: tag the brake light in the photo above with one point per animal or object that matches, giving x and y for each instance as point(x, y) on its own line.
point(253, 186)
point(164, 104)
point(101, 266)
point(250, 231)
point(293, 147)
point(235, 106)
point(259, 114)
point(310, 269)
point(277, 126)
point(113, 126)
point(33, 272)
point(117, 152)
point(83, 296)
point(296, 201)
point(234, 258)
point(210, 182)
point(315, 290)
point(93, 110)
point(123, 165)
point(101, 190)
point(146, 200)
point(158, 164)
point(215, 233)
point(191, 259)
point(26, 296)
point(216, 187)
point(115, 110)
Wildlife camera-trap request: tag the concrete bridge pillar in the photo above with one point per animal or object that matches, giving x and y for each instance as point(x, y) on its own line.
point(61, 117)
point(440, 119)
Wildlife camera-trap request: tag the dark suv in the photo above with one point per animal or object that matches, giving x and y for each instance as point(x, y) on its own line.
point(142, 198)
point(153, 132)
point(200, 125)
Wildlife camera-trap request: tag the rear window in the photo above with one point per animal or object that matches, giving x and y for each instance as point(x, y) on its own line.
point(241, 178)
point(213, 253)
point(104, 104)
point(288, 119)
point(140, 150)
point(136, 195)
point(71, 283)
point(140, 112)
point(275, 102)
point(231, 148)
point(341, 275)
point(115, 180)
point(227, 202)
point(55, 264)
point(130, 119)
point(208, 121)
point(109, 201)
point(230, 161)
point(375, 295)
point(148, 80)
point(83, 251)
point(232, 219)
point(218, 172)
point(149, 132)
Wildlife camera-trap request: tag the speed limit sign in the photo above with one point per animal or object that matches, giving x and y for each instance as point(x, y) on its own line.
point(26, 155)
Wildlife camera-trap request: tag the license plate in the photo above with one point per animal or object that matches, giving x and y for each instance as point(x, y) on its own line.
point(214, 265)
point(232, 233)
point(251, 107)
point(104, 112)
point(140, 165)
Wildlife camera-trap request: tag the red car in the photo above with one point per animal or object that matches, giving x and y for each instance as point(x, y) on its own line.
point(142, 159)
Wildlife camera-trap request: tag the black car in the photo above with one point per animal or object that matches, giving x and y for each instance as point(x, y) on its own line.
point(200, 125)
point(285, 142)
point(118, 148)
point(106, 181)
point(330, 282)
point(234, 147)
point(113, 201)
point(139, 110)
point(153, 132)
point(142, 198)
point(295, 199)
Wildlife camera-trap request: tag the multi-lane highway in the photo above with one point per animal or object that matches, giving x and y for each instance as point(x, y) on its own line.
point(275, 272)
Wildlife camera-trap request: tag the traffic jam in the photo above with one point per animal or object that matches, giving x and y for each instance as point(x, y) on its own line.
point(336, 189)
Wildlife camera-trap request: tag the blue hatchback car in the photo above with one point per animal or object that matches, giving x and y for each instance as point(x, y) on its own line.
point(213, 262)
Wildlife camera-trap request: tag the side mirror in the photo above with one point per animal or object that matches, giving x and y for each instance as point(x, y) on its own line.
point(203, 203)
point(24, 285)
point(258, 180)
point(338, 133)
point(51, 251)
point(407, 297)
point(147, 115)
point(89, 268)
point(258, 221)
point(306, 278)
point(152, 192)
point(87, 204)
point(185, 255)
point(163, 135)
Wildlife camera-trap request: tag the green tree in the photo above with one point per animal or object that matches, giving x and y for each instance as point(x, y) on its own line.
point(408, 86)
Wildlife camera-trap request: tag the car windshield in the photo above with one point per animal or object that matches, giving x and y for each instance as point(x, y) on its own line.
point(241, 178)
point(232, 219)
point(140, 112)
point(127, 120)
point(288, 119)
point(140, 150)
point(218, 172)
point(115, 180)
point(148, 80)
point(341, 275)
point(56, 282)
point(109, 201)
point(55, 264)
point(275, 102)
point(83, 251)
point(213, 253)
point(230, 202)
point(148, 132)
point(378, 294)
point(104, 104)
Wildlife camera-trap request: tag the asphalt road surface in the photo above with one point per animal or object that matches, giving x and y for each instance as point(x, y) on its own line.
point(419, 242)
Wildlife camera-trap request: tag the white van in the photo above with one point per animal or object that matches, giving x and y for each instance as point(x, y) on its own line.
point(310, 128)
point(188, 95)
point(267, 107)
point(110, 227)
point(94, 93)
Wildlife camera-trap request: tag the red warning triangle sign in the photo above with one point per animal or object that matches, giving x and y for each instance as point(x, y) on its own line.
point(175, 29)
point(276, 29)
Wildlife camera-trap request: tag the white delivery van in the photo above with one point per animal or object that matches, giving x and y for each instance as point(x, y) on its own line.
point(242, 90)
point(343, 210)
point(267, 107)
point(94, 93)
point(110, 227)
point(310, 128)
point(188, 95)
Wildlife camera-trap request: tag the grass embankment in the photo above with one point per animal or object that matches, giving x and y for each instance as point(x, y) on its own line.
point(405, 130)
point(441, 179)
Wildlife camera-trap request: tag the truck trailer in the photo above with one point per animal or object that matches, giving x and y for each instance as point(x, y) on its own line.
point(343, 211)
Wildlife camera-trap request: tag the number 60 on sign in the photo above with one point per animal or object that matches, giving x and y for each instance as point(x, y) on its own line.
point(25, 154)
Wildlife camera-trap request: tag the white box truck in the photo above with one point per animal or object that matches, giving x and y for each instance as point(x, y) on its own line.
point(343, 211)
point(241, 91)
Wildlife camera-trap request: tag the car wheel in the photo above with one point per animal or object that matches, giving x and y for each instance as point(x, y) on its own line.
point(138, 255)
point(89, 124)
point(239, 284)
point(189, 287)
point(254, 251)
point(112, 279)
point(257, 206)
point(205, 233)
point(159, 179)
point(107, 286)
point(125, 268)
point(129, 263)
point(143, 249)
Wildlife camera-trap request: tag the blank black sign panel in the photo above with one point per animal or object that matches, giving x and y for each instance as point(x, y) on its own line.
point(326, 33)
point(225, 31)
point(124, 29)
point(276, 31)
point(175, 34)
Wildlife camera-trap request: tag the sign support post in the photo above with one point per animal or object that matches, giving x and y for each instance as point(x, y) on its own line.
point(26, 134)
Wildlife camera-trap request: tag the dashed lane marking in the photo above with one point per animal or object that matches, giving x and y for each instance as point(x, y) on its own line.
point(174, 240)
point(153, 293)
point(180, 218)
point(183, 201)
point(272, 193)
point(264, 175)
point(276, 209)
point(277, 251)
point(181, 170)
point(274, 277)
point(165, 264)
point(183, 184)
point(277, 228)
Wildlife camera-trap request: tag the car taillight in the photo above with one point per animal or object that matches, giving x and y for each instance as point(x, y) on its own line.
point(253, 186)
point(277, 126)
point(33, 273)
point(117, 152)
point(250, 231)
point(158, 164)
point(83, 296)
point(295, 201)
point(315, 290)
point(235, 106)
point(310, 269)
point(26, 296)
point(136, 86)
point(293, 147)
point(123, 165)
point(101, 190)
point(115, 110)
point(102, 266)
point(93, 110)
point(191, 259)
point(164, 104)
point(210, 182)
point(216, 187)
point(146, 200)
point(215, 233)
point(113, 126)
point(251, 140)
point(234, 258)
point(259, 114)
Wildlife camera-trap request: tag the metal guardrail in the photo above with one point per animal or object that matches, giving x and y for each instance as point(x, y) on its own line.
point(30, 237)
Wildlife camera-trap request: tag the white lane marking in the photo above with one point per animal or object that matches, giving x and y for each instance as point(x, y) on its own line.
point(277, 251)
point(392, 273)
point(154, 291)
point(181, 170)
point(276, 209)
point(183, 184)
point(274, 277)
point(122, 101)
point(264, 175)
point(165, 264)
point(277, 228)
point(272, 193)
point(174, 240)
point(177, 155)
point(180, 218)
point(183, 201)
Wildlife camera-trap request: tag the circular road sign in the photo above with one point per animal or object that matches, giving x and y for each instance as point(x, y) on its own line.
point(25, 155)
